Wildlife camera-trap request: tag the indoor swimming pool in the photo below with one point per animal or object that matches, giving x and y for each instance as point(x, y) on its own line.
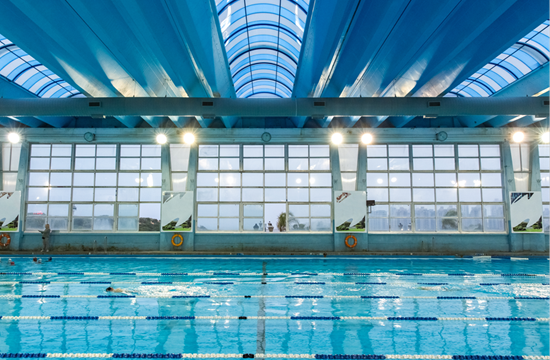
point(275, 307)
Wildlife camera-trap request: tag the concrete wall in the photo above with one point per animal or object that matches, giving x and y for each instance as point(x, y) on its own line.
point(237, 242)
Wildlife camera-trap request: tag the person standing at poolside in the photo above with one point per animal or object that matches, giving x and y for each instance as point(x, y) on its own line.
point(45, 238)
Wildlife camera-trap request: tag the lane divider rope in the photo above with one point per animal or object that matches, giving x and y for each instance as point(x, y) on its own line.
point(313, 318)
point(263, 283)
point(269, 356)
point(269, 274)
point(10, 296)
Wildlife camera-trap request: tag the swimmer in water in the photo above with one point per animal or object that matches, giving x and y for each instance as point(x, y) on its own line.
point(111, 289)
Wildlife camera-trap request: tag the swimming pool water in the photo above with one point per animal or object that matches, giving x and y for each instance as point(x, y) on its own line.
point(277, 336)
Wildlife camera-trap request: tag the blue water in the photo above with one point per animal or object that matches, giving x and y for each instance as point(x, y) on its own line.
point(277, 336)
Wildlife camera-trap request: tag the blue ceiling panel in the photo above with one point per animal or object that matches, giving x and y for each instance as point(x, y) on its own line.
point(22, 69)
point(528, 54)
point(263, 39)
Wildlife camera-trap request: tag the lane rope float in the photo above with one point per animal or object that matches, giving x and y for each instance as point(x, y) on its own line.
point(275, 297)
point(8, 240)
point(454, 275)
point(313, 318)
point(174, 238)
point(269, 356)
point(354, 241)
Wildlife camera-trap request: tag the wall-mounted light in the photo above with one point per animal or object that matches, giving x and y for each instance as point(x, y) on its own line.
point(188, 138)
point(518, 136)
point(545, 137)
point(366, 138)
point(161, 139)
point(337, 138)
point(14, 138)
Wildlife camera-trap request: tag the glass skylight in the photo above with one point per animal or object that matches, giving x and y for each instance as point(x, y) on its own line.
point(263, 39)
point(22, 69)
point(525, 56)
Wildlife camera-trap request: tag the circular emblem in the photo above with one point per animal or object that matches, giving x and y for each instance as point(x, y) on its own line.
point(266, 137)
point(89, 137)
point(441, 136)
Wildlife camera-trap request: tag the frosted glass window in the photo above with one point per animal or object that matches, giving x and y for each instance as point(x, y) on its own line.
point(82, 209)
point(468, 180)
point(230, 194)
point(319, 164)
point(62, 150)
point(400, 195)
point(105, 164)
point(179, 157)
point(492, 195)
point(444, 150)
point(85, 150)
point(130, 150)
point(150, 163)
point(275, 179)
point(320, 210)
point(469, 195)
point(252, 179)
point(151, 179)
point(298, 164)
point(40, 150)
point(105, 194)
point(379, 195)
point(375, 179)
point(208, 150)
point(444, 163)
point(60, 194)
point(298, 195)
point(15, 155)
point(376, 151)
point(40, 164)
point(9, 181)
point(274, 164)
point(298, 151)
point(319, 195)
point(253, 164)
point(230, 179)
point(468, 151)
point(106, 150)
point(398, 150)
point(105, 179)
point(61, 164)
point(297, 179)
point(208, 210)
point(128, 179)
point(149, 194)
point(446, 195)
point(209, 224)
point(208, 164)
point(84, 164)
point(491, 179)
point(320, 179)
point(253, 194)
point(225, 164)
point(489, 150)
point(150, 150)
point(420, 164)
point(399, 164)
point(129, 164)
point(490, 164)
point(348, 155)
point(275, 195)
point(229, 224)
point(377, 164)
point(468, 164)
point(423, 180)
point(274, 151)
point(423, 195)
point(318, 150)
point(400, 179)
point(229, 151)
point(252, 150)
point(83, 194)
point(129, 194)
point(422, 151)
point(127, 224)
point(83, 179)
point(38, 179)
point(348, 181)
point(58, 210)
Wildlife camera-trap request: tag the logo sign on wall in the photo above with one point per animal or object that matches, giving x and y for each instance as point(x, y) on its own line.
point(350, 209)
point(177, 211)
point(10, 203)
point(526, 212)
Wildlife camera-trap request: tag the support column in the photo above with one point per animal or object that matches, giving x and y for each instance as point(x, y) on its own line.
point(2, 167)
point(336, 186)
point(21, 185)
point(536, 242)
point(189, 243)
point(514, 241)
point(165, 237)
point(361, 185)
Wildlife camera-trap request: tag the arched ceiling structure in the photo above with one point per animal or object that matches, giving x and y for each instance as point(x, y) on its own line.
point(263, 39)
point(275, 48)
point(22, 69)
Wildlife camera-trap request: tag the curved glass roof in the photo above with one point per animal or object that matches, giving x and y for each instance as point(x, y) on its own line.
point(263, 39)
point(526, 55)
point(22, 69)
